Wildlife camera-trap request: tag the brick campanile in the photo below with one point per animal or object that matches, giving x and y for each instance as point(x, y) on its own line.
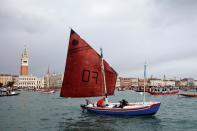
point(24, 63)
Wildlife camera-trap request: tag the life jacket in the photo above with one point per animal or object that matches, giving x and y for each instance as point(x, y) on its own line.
point(101, 102)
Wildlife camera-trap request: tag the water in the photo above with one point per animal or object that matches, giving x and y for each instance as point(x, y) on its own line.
point(33, 111)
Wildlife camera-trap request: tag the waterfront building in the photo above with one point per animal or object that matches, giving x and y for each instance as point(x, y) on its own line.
point(46, 81)
point(161, 83)
point(195, 83)
point(125, 82)
point(6, 78)
point(170, 83)
point(177, 83)
point(156, 82)
point(30, 82)
point(141, 82)
point(187, 82)
point(53, 80)
point(118, 82)
point(134, 82)
point(190, 82)
point(183, 83)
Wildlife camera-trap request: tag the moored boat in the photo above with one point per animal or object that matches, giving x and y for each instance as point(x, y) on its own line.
point(48, 91)
point(121, 88)
point(188, 94)
point(11, 93)
point(163, 92)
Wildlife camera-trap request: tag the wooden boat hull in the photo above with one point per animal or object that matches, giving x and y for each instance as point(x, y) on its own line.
point(164, 93)
point(10, 94)
point(48, 92)
point(188, 95)
point(140, 111)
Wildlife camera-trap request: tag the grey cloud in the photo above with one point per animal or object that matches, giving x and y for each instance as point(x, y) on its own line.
point(161, 32)
point(170, 12)
point(15, 19)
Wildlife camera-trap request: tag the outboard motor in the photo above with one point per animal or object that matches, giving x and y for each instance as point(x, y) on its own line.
point(87, 101)
point(83, 107)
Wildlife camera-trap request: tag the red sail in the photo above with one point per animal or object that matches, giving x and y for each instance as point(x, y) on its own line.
point(82, 76)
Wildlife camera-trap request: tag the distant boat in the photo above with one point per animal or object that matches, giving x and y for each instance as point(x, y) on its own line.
point(139, 90)
point(188, 94)
point(87, 74)
point(163, 92)
point(7, 93)
point(48, 91)
point(121, 88)
point(191, 93)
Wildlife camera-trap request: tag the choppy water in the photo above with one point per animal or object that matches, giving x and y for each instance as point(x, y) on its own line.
point(35, 111)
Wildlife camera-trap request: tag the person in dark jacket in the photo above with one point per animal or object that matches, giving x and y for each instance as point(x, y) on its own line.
point(123, 103)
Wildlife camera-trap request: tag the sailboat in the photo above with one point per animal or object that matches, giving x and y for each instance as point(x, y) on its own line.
point(87, 74)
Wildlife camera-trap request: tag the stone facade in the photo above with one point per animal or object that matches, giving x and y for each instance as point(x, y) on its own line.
point(134, 82)
point(195, 83)
point(30, 82)
point(5, 78)
point(118, 82)
point(53, 80)
point(125, 82)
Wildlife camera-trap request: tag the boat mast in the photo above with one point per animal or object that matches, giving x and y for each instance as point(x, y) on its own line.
point(103, 73)
point(144, 81)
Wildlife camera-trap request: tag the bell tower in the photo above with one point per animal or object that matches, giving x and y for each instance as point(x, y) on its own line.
point(24, 63)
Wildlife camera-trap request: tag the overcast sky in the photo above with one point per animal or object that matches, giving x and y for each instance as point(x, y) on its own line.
point(161, 32)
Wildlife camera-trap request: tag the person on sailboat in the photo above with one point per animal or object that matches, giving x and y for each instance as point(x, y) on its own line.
point(101, 102)
point(123, 103)
point(106, 101)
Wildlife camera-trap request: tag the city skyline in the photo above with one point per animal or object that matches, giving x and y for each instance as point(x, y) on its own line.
point(162, 33)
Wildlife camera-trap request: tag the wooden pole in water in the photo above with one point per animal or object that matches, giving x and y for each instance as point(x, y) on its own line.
point(144, 99)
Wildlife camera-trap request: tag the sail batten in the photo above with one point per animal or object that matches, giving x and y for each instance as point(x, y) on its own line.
point(83, 75)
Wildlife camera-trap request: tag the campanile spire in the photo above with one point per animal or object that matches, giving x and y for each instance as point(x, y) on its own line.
point(24, 63)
